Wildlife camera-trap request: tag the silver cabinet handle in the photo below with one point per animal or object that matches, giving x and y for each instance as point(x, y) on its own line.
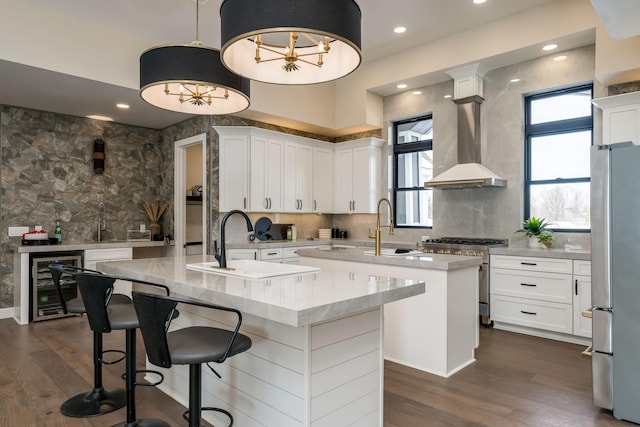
point(244, 202)
point(528, 312)
point(528, 263)
point(300, 204)
point(528, 284)
point(315, 205)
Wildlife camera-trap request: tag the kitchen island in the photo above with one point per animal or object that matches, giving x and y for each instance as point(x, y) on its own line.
point(437, 331)
point(317, 356)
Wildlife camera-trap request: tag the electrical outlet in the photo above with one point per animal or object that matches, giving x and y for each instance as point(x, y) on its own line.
point(17, 231)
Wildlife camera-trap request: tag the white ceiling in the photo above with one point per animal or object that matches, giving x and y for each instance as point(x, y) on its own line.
point(173, 21)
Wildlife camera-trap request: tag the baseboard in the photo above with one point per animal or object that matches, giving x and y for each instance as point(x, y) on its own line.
point(573, 339)
point(6, 313)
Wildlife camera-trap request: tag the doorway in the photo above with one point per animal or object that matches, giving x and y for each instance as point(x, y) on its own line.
point(190, 195)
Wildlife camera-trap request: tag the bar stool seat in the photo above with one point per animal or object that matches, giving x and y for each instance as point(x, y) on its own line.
point(193, 345)
point(99, 400)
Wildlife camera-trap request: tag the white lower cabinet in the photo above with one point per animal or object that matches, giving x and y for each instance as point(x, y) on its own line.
point(582, 298)
point(540, 293)
point(286, 254)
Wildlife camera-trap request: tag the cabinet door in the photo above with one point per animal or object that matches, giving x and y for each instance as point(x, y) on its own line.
point(304, 180)
point(258, 197)
point(297, 189)
point(274, 172)
point(266, 174)
point(343, 181)
point(362, 186)
point(234, 173)
point(322, 180)
point(581, 302)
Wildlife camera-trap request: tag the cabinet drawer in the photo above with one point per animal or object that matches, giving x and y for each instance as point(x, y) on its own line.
point(290, 252)
point(549, 265)
point(108, 254)
point(535, 314)
point(270, 254)
point(540, 286)
point(581, 268)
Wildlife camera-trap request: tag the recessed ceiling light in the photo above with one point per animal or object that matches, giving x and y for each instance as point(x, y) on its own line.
point(123, 106)
point(560, 58)
point(514, 80)
point(99, 117)
point(447, 96)
point(402, 86)
point(416, 92)
point(550, 46)
point(399, 30)
point(479, 1)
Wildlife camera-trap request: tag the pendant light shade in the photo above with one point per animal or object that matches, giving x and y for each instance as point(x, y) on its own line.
point(191, 79)
point(291, 41)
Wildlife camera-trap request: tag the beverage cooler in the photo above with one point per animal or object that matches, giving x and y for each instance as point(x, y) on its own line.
point(45, 299)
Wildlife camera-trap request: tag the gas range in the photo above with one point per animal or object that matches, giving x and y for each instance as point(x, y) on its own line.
point(462, 246)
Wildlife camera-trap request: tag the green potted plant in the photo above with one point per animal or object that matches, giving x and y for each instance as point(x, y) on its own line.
point(533, 228)
point(547, 238)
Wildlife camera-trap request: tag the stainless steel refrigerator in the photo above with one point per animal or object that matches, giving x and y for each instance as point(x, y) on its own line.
point(615, 271)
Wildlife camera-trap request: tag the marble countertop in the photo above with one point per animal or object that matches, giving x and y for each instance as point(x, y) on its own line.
point(579, 254)
point(81, 246)
point(264, 244)
point(430, 261)
point(295, 300)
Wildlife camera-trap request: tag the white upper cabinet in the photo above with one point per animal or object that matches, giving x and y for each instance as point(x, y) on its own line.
point(620, 118)
point(357, 176)
point(267, 171)
point(234, 171)
point(298, 188)
point(322, 180)
point(266, 174)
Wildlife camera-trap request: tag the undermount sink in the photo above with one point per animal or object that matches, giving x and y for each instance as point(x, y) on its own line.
point(251, 269)
point(395, 252)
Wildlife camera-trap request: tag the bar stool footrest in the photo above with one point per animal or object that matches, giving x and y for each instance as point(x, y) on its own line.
point(113, 362)
point(145, 371)
point(185, 415)
point(144, 422)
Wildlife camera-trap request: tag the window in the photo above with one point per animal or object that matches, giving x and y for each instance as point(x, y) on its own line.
point(558, 135)
point(413, 165)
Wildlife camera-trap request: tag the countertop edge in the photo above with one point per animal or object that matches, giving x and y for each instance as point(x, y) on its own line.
point(81, 246)
point(577, 254)
point(429, 261)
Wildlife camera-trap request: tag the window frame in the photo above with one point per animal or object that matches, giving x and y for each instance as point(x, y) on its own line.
point(406, 148)
point(557, 127)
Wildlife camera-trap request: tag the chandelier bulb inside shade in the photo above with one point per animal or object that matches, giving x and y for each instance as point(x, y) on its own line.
point(291, 41)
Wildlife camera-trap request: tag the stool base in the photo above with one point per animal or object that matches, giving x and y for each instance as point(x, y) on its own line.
point(99, 401)
point(144, 422)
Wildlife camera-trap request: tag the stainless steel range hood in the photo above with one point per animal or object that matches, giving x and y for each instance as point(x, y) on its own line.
point(469, 172)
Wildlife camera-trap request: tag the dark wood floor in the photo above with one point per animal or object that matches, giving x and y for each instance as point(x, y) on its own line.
point(517, 381)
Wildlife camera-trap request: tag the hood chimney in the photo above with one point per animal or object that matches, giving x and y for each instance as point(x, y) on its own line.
point(469, 172)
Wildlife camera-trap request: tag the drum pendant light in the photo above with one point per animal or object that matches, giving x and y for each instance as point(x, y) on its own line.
point(291, 41)
point(190, 78)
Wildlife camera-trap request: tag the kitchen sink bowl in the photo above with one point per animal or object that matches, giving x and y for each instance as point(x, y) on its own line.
point(250, 269)
point(395, 252)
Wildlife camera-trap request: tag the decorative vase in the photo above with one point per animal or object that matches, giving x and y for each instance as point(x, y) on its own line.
point(534, 243)
point(155, 229)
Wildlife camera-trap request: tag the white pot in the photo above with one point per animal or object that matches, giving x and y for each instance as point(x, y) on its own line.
point(534, 243)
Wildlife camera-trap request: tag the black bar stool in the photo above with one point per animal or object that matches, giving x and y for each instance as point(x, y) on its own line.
point(191, 346)
point(99, 400)
point(96, 291)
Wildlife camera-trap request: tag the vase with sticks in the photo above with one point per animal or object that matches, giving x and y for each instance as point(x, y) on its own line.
point(154, 212)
